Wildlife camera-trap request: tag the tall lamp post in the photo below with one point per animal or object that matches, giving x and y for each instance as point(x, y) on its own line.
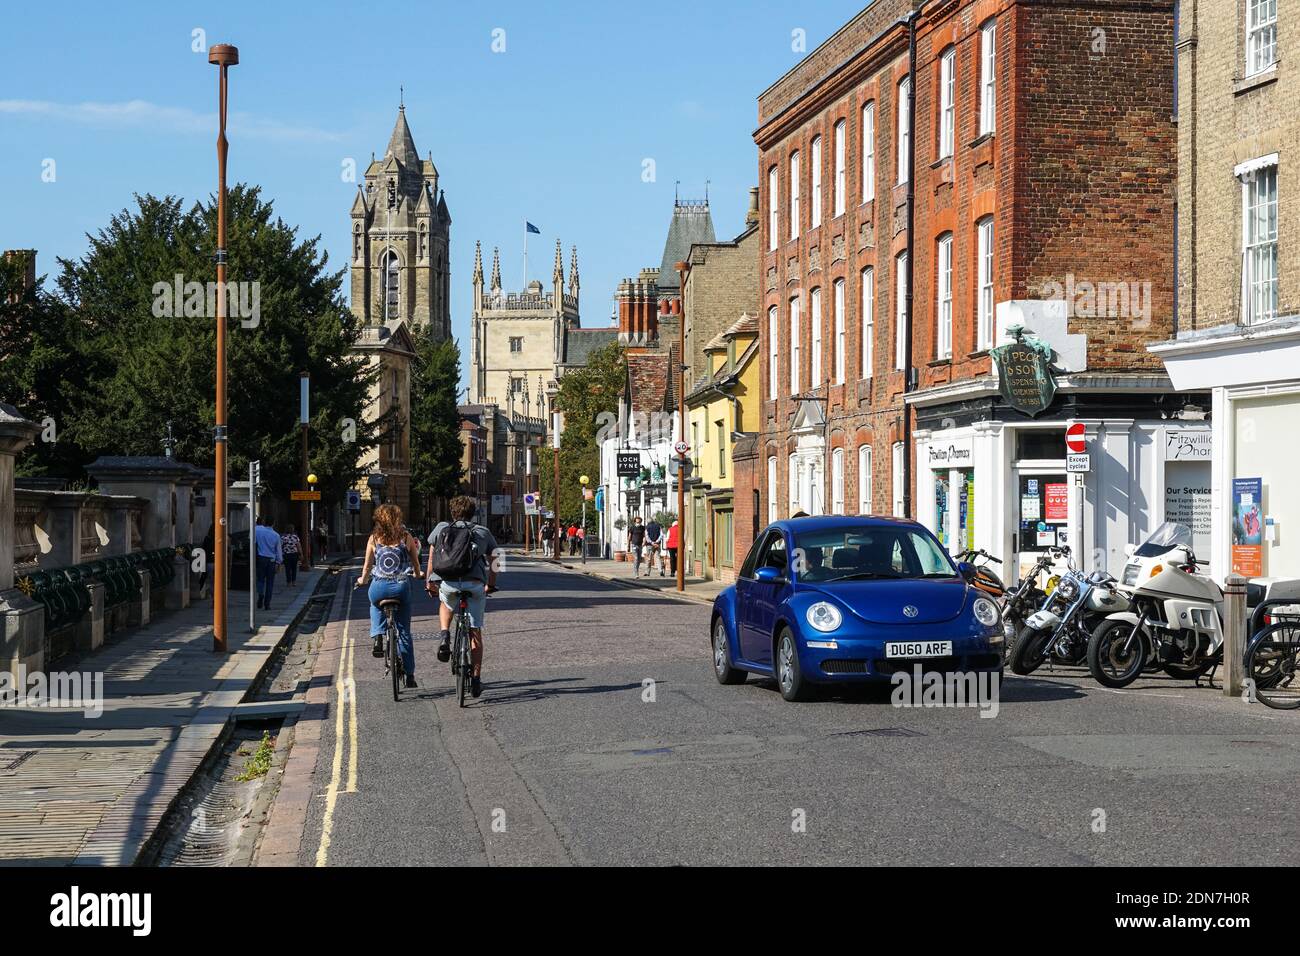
point(584, 481)
point(223, 56)
point(682, 268)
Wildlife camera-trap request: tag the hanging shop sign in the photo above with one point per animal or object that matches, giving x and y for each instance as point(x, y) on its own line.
point(628, 464)
point(1025, 375)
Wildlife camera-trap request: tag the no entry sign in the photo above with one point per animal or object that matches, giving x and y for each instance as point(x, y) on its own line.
point(1074, 439)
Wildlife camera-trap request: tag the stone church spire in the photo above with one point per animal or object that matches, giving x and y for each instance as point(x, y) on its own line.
point(496, 269)
point(573, 273)
point(557, 276)
point(401, 145)
point(478, 263)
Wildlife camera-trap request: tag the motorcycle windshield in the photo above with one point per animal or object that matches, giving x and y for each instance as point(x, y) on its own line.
point(1169, 535)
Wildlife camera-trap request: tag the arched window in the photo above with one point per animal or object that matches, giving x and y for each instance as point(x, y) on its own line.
point(837, 481)
point(391, 285)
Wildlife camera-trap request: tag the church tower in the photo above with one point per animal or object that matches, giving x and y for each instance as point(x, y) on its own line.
point(401, 231)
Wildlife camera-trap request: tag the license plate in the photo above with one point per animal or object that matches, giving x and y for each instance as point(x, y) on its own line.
point(918, 648)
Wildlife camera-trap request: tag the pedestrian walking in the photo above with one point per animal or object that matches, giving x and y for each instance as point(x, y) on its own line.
point(674, 541)
point(582, 540)
point(269, 559)
point(573, 540)
point(323, 537)
point(548, 537)
point(654, 539)
point(291, 547)
point(636, 541)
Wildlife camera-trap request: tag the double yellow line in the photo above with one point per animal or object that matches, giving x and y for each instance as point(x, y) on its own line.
point(345, 713)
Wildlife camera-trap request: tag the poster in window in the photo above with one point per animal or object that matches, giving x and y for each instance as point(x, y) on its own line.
point(1248, 526)
point(1057, 497)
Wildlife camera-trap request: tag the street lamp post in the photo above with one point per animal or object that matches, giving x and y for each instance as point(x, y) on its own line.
point(223, 56)
point(681, 429)
point(584, 481)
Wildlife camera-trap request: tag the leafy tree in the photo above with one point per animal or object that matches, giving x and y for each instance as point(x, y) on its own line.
point(37, 358)
point(584, 394)
point(435, 425)
point(145, 362)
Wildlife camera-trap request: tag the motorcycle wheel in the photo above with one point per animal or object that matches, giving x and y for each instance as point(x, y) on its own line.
point(1109, 666)
point(1027, 654)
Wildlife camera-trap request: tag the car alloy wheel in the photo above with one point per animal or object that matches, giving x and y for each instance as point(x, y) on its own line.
point(785, 663)
point(719, 646)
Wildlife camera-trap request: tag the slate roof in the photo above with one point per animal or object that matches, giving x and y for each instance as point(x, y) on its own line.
point(580, 343)
point(692, 222)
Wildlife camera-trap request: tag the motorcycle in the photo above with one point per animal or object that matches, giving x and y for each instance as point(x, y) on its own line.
point(1062, 627)
point(1175, 619)
point(1169, 543)
point(1026, 597)
point(983, 577)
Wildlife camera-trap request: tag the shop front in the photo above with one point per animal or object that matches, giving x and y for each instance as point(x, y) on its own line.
point(1252, 372)
point(991, 476)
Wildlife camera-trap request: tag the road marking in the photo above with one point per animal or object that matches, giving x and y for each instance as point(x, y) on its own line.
point(336, 773)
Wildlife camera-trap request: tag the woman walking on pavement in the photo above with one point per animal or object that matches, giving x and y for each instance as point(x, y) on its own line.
point(674, 537)
point(292, 547)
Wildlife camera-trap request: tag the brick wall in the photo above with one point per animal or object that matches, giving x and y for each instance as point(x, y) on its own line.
point(1224, 120)
point(1078, 176)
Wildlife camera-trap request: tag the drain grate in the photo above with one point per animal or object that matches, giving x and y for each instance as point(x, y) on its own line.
point(881, 732)
point(16, 760)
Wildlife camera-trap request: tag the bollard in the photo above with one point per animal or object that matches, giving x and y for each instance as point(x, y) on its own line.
point(1234, 633)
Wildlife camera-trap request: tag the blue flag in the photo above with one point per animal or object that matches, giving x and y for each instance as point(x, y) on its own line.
point(531, 228)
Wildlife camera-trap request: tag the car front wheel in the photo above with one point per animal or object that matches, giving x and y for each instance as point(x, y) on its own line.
point(789, 677)
point(722, 669)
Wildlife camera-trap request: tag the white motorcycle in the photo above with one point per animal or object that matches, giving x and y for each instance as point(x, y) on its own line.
point(1176, 619)
point(1171, 543)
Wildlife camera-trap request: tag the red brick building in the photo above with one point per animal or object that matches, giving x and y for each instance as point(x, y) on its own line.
point(1024, 186)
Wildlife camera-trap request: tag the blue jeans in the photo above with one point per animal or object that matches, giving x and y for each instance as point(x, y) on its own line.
point(382, 589)
point(265, 578)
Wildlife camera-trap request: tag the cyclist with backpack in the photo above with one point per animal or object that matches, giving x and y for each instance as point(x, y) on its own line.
point(460, 558)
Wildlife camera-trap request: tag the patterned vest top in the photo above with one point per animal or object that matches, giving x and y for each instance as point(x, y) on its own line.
point(391, 560)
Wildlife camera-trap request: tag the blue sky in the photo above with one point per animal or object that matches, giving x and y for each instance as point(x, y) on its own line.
point(554, 129)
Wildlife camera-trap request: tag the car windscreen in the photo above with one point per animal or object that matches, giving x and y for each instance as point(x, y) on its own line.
point(1168, 535)
point(864, 553)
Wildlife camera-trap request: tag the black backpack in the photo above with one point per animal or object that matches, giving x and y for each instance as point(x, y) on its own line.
point(454, 553)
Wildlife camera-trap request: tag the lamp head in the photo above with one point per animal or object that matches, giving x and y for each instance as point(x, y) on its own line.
point(223, 54)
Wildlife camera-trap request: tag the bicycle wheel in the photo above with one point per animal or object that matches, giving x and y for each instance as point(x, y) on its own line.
point(463, 665)
point(1271, 666)
point(394, 658)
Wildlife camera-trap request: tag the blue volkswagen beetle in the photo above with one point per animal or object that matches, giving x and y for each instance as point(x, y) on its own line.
point(847, 599)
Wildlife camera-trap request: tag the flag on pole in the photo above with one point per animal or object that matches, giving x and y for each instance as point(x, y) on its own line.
point(528, 226)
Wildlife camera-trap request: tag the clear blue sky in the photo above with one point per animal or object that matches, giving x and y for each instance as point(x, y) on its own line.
point(554, 129)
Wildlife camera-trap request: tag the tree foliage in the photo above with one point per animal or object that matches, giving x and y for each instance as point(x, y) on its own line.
point(584, 394)
point(141, 362)
point(435, 425)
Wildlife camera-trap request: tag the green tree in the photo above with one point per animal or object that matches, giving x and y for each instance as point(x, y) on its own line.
point(37, 360)
point(435, 425)
point(584, 394)
point(147, 358)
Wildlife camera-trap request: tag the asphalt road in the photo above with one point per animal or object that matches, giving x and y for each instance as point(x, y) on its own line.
point(570, 758)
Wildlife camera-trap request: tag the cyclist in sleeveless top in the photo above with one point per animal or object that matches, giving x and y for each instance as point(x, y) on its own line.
point(392, 559)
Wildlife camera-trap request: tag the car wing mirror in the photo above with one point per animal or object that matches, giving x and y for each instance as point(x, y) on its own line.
point(768, 574)
point(966, 570)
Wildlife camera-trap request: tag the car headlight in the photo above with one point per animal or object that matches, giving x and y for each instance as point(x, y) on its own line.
point(986, 612)
point(824, 616)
